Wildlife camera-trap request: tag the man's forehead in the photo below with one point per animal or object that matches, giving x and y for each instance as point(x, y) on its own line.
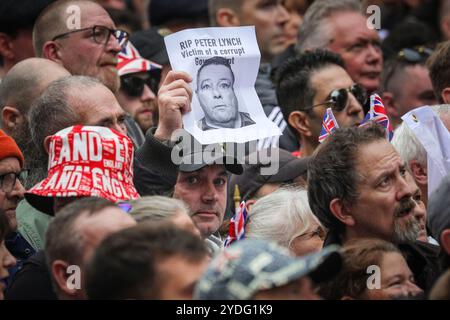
point(215, 169)
point(350, 29)
point(92, 14)
point(377, 155)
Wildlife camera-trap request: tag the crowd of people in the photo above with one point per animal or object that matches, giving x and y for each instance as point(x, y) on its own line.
point(93, 205)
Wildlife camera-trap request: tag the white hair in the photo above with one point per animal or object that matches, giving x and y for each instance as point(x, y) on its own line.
point(280, 216)
point(406, 143)
point(156, 208)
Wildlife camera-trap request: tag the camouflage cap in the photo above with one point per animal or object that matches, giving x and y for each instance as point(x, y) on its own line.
point(251, 265)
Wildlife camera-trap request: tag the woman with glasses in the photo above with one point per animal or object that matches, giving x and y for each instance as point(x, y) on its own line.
point(11, 193)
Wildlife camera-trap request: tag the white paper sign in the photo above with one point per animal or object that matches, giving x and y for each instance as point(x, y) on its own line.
point(223, 63)
point(435, 138)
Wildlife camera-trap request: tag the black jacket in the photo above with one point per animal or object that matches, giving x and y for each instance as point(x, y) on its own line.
point(32, 282)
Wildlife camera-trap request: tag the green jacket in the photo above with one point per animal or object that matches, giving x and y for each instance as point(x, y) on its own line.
point(32, 224)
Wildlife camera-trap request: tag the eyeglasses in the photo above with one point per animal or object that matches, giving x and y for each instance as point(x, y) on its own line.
point(8, 180)
point(338, 98)
point(101, 35)
point(134, 86)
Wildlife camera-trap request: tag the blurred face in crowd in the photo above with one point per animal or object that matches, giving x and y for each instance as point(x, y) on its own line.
point(397, 280)
point(384, 207)
point(81, 55)
point(301, 289)
point(177, 277)
point(10, 193)
point(139, 104)
point(216, 95)
point(358, 46)
point(6, 261)
point(182, 220)
point(324, 82)
point(310, 241)
point(205, 193)
point(294, 8)
point(269, 18)
point(99, 107)
point(92, 229)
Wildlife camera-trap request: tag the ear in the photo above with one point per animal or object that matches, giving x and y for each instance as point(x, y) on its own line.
point(445, 95)
point(11, 118)
point(341, 212)
point(47, 144)
point(445, 241)
point(389, 104)
point(419, 172)
point(60, 275)
point(249, 203)
point(5, 47)
point(51, 51)
point(226, 17)
point(300, 122)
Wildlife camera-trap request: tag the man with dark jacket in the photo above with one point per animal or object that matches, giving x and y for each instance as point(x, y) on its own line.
point(358, 188)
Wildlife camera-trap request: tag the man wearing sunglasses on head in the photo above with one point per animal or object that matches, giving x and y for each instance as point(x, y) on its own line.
point(406, 83)
point(81, 36)
point(310, 83)
point(139, 80)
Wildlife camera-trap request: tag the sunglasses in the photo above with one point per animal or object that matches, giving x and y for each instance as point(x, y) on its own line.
point(134, 86)
point(338, 98)
point(414, 55)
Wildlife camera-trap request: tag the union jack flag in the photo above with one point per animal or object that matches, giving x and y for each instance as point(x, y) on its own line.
point(329, 124)
point(377, 113)
point(130, 61)
point(237, 225)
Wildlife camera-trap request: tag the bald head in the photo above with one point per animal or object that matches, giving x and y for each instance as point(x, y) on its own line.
point(59, 17)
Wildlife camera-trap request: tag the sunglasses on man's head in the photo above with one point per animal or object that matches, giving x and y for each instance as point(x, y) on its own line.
point(414, 55)
point(133, 86)
point(338, 98)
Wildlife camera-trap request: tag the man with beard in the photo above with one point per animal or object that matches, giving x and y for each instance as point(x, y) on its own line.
point(357, 187)
point(215, 92)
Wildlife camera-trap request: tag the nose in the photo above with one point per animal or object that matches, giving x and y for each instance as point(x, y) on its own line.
point(405, 189)
point(113, 45)
point(210, 194)
point(18, 191)
point(283, 14)
point(412, 289)
point(216, 93)
point(8, 259)
point(419, 212)
point(374, 55)
point(354, 108)
point(147, 94)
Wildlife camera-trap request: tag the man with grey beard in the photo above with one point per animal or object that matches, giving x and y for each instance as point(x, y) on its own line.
point(358, 188)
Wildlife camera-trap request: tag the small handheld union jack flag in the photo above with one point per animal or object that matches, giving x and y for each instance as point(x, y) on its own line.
point(329, 124)
point(237, 225)
point(377, 113)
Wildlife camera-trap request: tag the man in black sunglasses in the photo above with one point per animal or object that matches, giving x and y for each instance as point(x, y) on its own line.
point(309, 84)
point(139, 80)
point(406, 83)
point(81, 36)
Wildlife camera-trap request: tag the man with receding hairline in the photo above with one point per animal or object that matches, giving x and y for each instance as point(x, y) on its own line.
point(80, 35)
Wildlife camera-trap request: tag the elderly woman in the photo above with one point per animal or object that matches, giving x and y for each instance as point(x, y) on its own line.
point(372, 269)
point(284, 216)
point(158, 208)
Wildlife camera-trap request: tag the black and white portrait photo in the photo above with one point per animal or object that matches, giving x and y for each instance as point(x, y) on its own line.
point(215, 92)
